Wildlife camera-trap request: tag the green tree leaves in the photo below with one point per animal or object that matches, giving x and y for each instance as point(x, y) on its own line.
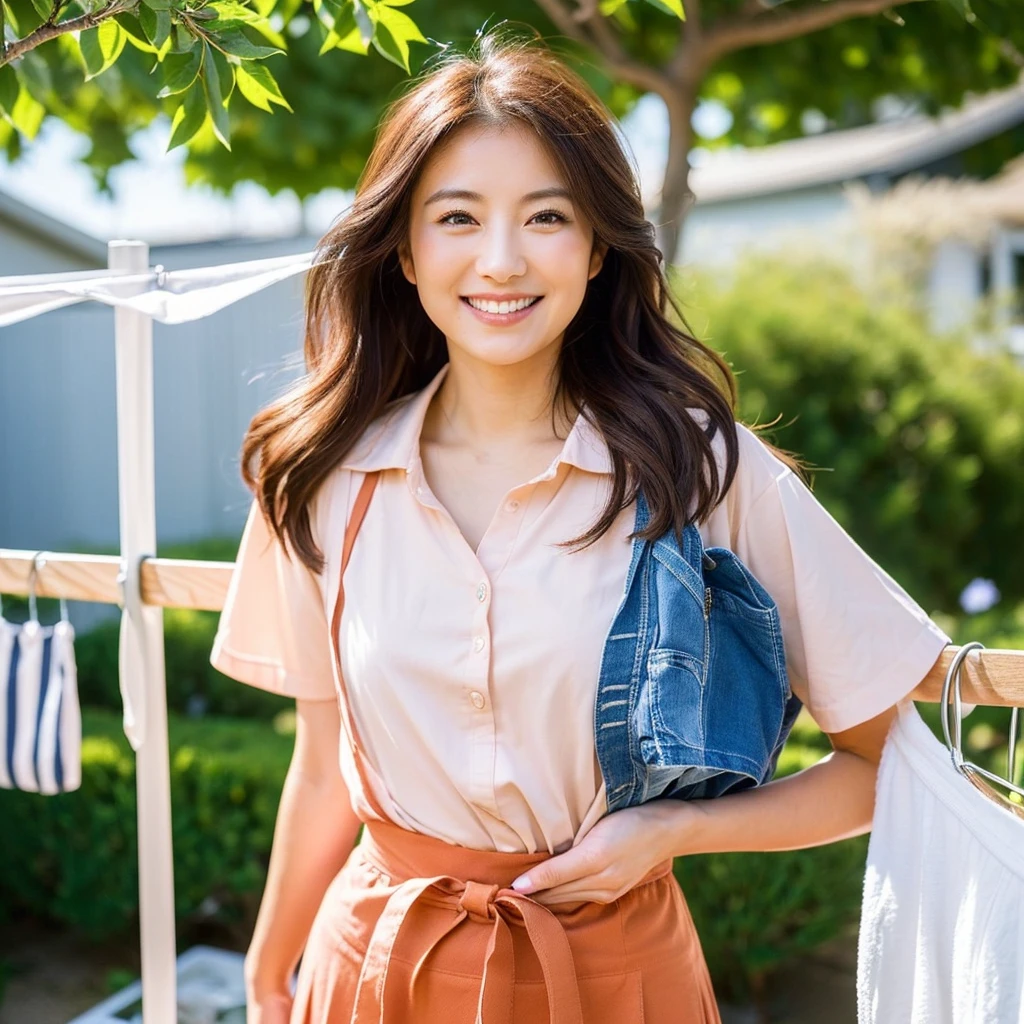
point(101, 46)
point(202, 49)
point(257, 85)
point(180, 70)
point(188, 118)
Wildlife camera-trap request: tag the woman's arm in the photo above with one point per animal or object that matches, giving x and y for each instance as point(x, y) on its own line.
point(315, 831)
point(831, 800)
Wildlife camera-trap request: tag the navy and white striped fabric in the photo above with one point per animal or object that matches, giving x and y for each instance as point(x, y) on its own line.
point(40, 720)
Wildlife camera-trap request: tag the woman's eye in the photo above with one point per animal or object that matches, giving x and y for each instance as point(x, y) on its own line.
point(559, 218)
point(455, 213)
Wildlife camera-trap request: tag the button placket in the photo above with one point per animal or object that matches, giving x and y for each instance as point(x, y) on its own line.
point(477, 696)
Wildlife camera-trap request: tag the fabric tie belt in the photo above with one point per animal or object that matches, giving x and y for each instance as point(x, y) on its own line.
point(423, 869)
point(481, 903)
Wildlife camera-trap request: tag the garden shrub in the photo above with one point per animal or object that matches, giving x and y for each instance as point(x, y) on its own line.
point(918, 439)
point(73, 858)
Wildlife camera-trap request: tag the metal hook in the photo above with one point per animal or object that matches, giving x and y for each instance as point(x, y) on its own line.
point(953, 673)
point(967, 768)
point(38, 561)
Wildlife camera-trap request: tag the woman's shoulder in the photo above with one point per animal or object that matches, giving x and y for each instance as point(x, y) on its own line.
point(758, 467)
point(759, 472)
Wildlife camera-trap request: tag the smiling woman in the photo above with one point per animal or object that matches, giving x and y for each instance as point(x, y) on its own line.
point(543, 255)
point(499, 403)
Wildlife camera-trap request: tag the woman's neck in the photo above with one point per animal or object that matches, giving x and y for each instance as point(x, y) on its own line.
point(491, 407)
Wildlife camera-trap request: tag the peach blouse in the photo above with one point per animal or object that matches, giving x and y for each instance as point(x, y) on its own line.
point(472, 674)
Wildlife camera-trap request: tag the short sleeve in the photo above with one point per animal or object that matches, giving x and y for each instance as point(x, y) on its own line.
point(273, 630)
point(855, 641)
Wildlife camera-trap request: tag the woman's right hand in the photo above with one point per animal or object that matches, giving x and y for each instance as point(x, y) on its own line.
point(269, 1008)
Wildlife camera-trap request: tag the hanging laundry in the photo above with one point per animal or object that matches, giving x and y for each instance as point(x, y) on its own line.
point(40, 719)
point(168, 296)
point(942, 919)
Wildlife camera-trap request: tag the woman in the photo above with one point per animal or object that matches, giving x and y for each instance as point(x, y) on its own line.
point(491, 363)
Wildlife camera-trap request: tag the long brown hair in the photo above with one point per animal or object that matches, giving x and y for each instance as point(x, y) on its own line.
point(368, 340)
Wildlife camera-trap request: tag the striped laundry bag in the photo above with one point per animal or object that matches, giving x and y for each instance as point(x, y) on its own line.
point(40, 719)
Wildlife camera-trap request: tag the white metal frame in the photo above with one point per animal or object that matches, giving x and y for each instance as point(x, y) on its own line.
point(142, 643)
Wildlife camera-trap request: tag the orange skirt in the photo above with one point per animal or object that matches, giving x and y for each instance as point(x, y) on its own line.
point(413, 929)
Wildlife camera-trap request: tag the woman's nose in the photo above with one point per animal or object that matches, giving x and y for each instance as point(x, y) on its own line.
point(501, 254)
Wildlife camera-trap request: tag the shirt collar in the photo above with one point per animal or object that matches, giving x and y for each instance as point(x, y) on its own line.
point(392, 441)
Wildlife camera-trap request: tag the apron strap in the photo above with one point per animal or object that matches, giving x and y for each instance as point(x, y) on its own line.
point(347, 718)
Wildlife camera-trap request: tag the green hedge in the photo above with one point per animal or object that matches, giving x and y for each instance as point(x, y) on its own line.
point(72, 858)
point(919, 439)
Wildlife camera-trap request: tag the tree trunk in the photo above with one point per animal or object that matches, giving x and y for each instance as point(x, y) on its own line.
point(676, 197)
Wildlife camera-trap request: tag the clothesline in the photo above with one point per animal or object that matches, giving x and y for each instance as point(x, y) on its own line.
point(168, 296)
point(993, 677)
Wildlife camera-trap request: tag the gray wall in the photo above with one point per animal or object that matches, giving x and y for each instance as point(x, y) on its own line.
point(24, 251)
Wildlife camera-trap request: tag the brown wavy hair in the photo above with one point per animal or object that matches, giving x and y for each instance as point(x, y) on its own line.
point(368, 340)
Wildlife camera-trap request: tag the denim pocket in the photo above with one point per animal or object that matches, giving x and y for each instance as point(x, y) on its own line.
point(671, 707)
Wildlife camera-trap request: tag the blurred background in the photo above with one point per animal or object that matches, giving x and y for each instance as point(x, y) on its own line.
point(839, 196)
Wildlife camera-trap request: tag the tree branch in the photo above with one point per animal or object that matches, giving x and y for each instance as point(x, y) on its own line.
point(765, 27)
point(564, 21)
point(587, 9)
point(47, 31)
point(596, 33)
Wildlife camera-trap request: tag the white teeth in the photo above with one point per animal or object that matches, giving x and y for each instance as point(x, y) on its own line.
point(500, 307)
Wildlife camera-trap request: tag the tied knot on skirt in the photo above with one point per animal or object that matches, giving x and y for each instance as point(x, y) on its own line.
point(476, 903)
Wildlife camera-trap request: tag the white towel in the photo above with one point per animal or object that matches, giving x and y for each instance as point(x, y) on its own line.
point(942, 919)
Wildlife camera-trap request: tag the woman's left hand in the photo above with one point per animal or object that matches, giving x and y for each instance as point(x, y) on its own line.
point(611, 858)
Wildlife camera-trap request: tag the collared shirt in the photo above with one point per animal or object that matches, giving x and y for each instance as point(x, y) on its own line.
point(472, 675)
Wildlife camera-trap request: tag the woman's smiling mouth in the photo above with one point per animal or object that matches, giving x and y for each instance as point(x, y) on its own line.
point(491, 312)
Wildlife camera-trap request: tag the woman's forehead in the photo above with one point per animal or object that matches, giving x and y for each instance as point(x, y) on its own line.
point(487, 160)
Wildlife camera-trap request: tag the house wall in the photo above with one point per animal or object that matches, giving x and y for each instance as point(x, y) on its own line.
point(717, 233)
point(955, 285)
point(23, 251)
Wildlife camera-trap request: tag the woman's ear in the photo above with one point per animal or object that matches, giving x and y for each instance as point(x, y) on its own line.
point(405, 259)
point(597, 259)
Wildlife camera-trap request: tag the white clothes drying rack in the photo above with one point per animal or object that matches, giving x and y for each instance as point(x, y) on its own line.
point(143, 584)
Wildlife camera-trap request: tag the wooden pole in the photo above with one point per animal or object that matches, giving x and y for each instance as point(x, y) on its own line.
point(141, 656)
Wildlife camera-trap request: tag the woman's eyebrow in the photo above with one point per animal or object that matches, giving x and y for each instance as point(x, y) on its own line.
point(554, 192)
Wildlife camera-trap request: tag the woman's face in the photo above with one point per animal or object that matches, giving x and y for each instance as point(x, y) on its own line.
point(478, 232)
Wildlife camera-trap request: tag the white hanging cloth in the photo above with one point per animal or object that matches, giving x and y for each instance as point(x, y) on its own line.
point(168, 296)
point(942, 919)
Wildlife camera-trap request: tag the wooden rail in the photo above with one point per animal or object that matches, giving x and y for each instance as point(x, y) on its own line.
point(993, 677)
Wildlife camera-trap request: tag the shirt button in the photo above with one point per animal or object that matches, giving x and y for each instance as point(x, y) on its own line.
point(478, 643)
point(511, 505)
point(481, 592)
point(477, 698)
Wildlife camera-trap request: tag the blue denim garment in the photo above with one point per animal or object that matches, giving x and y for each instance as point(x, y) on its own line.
point(693, 698)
